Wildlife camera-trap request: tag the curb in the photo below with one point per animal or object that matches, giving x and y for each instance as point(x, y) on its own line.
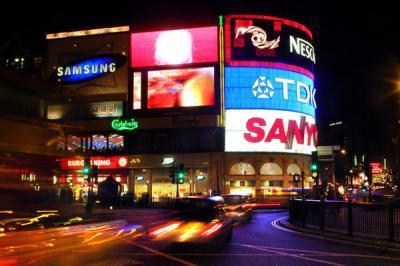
point(383, 247)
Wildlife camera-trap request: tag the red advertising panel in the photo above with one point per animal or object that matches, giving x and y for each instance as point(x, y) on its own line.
point(111, 162)
point(180, 88)
point(174, 47)
point(266, 41)
point(376, 168)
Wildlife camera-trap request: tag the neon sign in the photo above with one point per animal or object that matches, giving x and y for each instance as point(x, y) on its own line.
point(89, 68)
point(120, 125)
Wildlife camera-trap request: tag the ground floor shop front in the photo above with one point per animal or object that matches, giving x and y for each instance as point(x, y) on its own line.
point(146, 178)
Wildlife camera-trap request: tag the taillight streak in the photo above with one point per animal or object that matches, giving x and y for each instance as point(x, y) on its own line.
point(212, 230)
point(165, 229)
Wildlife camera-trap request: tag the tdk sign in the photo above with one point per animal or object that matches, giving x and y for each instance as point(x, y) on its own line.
point(269, 88)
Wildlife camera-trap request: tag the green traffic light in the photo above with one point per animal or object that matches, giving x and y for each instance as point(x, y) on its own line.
point(86, 170)
point(314, 167)
point(181, 175)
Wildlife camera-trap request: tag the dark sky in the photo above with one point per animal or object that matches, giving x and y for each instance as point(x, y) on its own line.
point(358, 50)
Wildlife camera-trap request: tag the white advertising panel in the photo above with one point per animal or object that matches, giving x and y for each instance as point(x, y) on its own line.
point(269, 131)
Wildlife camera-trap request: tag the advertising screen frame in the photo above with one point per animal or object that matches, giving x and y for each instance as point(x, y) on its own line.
point(192, 110)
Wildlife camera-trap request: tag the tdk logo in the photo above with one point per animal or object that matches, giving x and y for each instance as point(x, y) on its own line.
point(302, 47)
point(263, 89)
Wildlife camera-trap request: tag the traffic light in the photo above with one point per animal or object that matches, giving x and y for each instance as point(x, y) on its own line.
point(181, 173)
point(86, 169)
point(314, 163)
point(172, 171)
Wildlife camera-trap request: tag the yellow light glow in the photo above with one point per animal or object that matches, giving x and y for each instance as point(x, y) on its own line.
point(78, 33)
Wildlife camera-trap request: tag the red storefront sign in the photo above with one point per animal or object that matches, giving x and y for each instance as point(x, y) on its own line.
point(110, 162)
point(376, 168)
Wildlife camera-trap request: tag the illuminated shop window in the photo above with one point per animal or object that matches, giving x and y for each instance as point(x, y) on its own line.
point(73, 143)
point(271, 169)
point(293, 168)
point(115, 142)
point(61, 144)
point(242, 169)
point(275, 183)
point(137, 90)
point(99, 142)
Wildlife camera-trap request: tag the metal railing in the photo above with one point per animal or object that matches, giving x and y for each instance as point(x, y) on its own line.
point(373, 220)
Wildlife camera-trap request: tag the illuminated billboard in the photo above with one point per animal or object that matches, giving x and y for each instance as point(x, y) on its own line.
point(187, 87)
point(87, 69)
point(174, 47)
point(268, 88)
point(252, 40)
point(269, 131)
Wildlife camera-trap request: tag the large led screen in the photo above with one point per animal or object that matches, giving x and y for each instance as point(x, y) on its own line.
point(268, 88)
point(174, 47)
point(180, 88)
point(269, 131)
point(252, 40)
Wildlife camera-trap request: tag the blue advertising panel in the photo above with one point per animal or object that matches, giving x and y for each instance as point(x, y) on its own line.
point(269, 88)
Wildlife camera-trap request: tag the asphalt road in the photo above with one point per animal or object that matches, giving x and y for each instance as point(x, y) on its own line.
point(259, 242)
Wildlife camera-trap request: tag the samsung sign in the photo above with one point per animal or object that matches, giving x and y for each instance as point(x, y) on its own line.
point(269, 131)
point(268, 88)
point(88, 68)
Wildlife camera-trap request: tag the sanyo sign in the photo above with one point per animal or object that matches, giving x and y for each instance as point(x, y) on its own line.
point(302, 47)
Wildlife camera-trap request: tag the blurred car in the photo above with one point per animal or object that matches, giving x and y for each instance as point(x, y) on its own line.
point(196, 220)
point(238, 207)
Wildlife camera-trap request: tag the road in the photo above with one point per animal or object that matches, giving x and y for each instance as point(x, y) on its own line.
point(120, 242)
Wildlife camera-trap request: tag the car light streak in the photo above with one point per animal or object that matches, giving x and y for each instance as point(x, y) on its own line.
point(212, 230)
point(165, 229)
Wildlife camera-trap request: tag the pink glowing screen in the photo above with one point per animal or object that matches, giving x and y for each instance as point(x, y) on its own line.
point(174, 47)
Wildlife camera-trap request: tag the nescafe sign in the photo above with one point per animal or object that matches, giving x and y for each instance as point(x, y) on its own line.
point(88, 68)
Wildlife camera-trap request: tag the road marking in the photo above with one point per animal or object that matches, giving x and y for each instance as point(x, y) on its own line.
point(277, 226)
point(292, 255)
point(165, 255)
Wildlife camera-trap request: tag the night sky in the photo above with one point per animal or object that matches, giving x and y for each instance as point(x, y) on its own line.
point(358, 50)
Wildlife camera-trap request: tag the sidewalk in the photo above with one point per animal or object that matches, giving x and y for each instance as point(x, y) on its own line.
point(381, 246)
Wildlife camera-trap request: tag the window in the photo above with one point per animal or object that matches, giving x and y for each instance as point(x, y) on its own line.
point(115, 142)
point(293, 169)
point(73, 143)
point(271, 169)
point(61, 144)
point(242, 169)
point(99, 142)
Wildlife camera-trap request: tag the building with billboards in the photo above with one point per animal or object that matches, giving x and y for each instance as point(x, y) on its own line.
point(234, 102)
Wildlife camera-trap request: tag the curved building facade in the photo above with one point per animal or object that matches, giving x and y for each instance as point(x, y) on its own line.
point(269, 103)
